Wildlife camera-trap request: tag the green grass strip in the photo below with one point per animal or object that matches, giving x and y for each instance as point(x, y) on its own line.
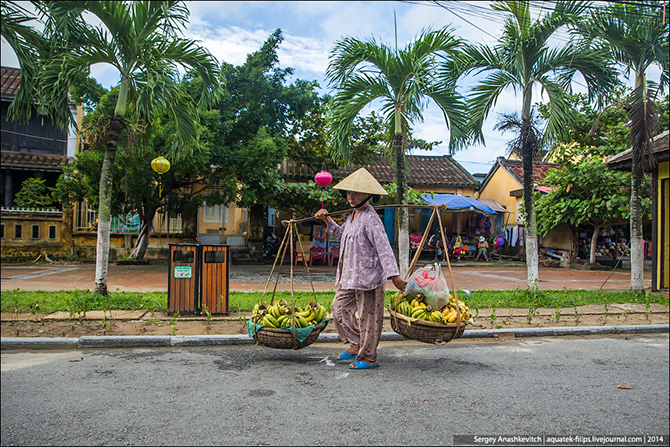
point(81, 301)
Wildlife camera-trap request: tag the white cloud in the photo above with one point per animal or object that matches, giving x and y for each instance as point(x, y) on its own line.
point(106, 75)
point(304, 53)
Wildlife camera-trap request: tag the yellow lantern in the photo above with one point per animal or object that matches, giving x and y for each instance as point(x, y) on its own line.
point(161, 166)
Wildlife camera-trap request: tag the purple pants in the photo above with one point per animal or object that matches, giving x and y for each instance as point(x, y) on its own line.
point(363, 332)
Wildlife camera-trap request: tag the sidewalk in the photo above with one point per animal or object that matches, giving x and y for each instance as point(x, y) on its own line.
point(159, 330)
point(154, 277)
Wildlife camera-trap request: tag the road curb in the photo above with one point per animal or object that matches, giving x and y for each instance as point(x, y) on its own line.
point(560, 331)
point(38, 343)
point(30, 343)
point(123, 341)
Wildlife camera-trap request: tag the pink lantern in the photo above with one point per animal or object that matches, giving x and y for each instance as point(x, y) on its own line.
point(323, 178)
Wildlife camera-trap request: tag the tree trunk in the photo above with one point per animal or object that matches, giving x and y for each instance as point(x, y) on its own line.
point(594, 242)
point(403, 218)
point(143, 238)
point(636, 241)
point(637, 176)
point(529, 203)
point(104, 207)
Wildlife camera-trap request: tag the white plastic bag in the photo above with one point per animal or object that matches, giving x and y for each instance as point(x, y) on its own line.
point(430, 282)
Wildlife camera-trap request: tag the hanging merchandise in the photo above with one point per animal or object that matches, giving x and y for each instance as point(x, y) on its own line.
point(515, 236)
point(429, 283)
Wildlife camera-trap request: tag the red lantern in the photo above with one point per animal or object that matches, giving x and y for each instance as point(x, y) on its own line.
point(323, 178)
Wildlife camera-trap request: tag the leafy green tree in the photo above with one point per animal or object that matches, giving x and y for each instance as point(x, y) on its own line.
point(234, 159)
point(586, 191)
point(248, 140)
point(34, 194)
point(404, 81)
point(523, 59)
point(637, 35)
point(135, 184)
point(140, 40)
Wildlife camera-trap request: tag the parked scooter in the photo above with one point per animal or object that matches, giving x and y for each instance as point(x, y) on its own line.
point(271, 246)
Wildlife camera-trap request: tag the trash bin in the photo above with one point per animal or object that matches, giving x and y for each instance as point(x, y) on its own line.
point(183, 278)
point(199, 275)
point(214, 266)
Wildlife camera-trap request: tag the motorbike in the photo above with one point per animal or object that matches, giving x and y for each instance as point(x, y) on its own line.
point(271, 246)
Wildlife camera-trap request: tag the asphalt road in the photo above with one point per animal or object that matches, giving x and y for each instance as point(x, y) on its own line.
point(422, 394)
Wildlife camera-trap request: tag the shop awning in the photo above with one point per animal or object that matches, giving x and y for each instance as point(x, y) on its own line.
point(493, 204)
point(457, 204)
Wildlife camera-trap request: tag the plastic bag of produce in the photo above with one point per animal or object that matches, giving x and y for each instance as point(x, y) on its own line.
point(430, 282)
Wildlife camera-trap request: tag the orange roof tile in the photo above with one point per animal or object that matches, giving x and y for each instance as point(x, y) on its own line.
point(423, 171)
point(10, 79)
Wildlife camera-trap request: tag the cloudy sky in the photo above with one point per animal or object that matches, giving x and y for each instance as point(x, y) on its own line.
point(232, 29)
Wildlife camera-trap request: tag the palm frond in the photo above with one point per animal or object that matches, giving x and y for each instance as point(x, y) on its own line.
point(484, 97)
point(643, 113)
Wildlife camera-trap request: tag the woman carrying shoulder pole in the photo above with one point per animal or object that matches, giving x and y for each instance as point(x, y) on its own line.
point(366, 263)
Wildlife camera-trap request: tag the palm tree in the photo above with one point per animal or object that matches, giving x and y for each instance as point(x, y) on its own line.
point(404, 81)
point(26, 42)
point(522, 59)
point(140, 40)
point(638, 38)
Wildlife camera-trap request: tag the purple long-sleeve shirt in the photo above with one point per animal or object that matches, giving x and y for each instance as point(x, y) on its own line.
point(366, 257)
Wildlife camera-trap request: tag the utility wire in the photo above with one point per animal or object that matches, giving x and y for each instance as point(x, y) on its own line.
point(34, 136)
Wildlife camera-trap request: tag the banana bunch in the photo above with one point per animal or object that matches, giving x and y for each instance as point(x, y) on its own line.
point(451, 314)
point(279, 315)
point(417, 308)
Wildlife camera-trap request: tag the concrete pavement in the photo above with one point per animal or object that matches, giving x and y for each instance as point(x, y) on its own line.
point(154, 277)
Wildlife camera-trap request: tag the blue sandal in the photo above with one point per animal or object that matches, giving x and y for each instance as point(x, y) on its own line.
point(347, 356)
point(362, 365)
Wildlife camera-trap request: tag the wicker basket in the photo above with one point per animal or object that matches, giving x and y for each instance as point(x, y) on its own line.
point(283, 338)
point(424, 331)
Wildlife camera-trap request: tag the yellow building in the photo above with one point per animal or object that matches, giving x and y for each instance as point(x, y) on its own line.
point(660, 223)
point(504, 184)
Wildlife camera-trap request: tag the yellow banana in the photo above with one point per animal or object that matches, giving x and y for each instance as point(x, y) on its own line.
point(437, 317)
point(301, 320)
point(302, 313)
point(272, 320)
point(453, 317)
point(417, 312)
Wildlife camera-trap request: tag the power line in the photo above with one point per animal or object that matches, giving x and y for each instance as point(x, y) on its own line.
point(34, 136)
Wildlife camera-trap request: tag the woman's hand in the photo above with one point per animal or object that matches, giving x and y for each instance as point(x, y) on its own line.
point(399, 283)
point(323, 215)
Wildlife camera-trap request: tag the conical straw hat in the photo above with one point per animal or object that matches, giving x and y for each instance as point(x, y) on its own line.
point(361, 181)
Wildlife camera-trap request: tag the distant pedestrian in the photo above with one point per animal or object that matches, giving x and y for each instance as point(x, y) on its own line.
point(482, 249)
